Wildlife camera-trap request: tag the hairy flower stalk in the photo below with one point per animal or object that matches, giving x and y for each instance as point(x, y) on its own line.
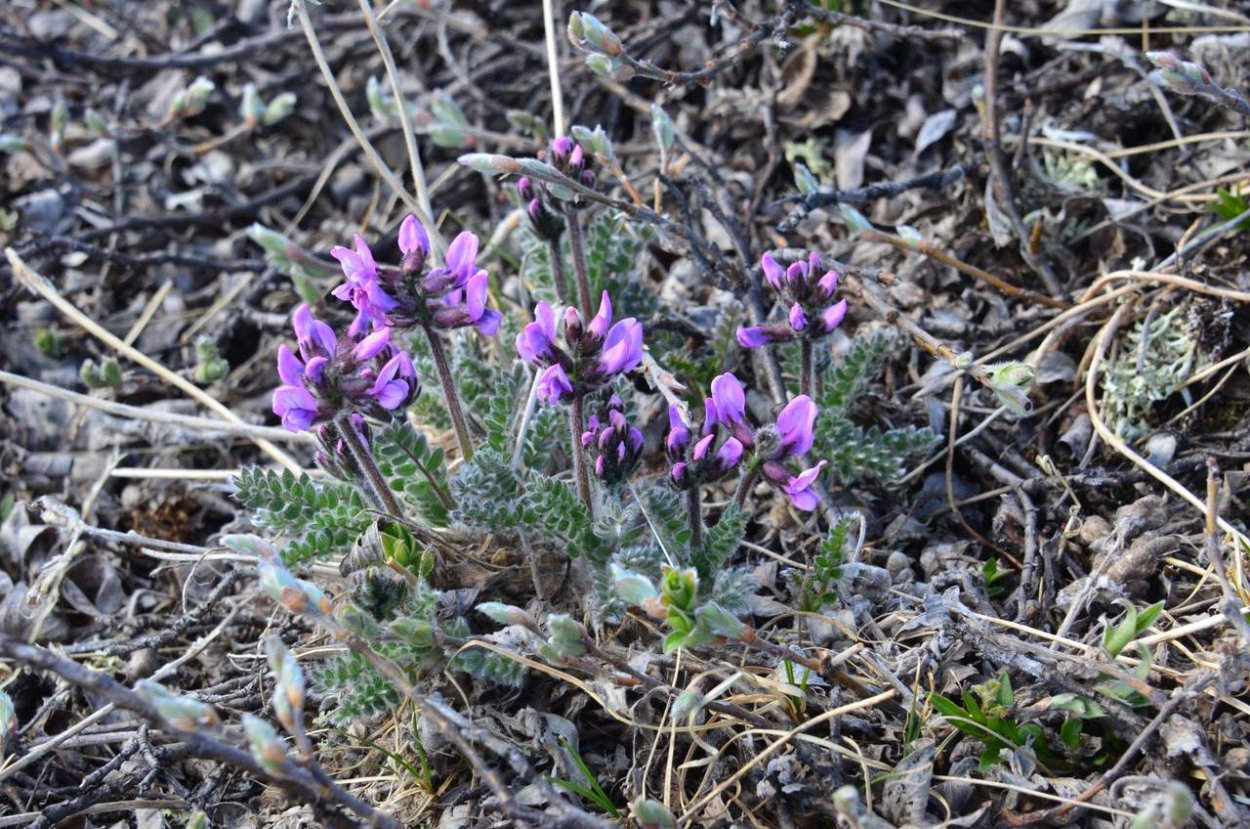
point(568, 157)
point(811, 313)
point(368, 467)
point(549, 227)
point(413, 295)
point(593, 354)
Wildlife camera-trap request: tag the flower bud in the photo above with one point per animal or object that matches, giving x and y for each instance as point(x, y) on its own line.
point(279, 108)
point(182, 713)
point(268, 748)
point(490, 163)
point(251, 108)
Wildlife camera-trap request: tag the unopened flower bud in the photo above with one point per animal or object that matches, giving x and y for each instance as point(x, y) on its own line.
point(490, 163)
point(182, 713)
point(251, 108)
point(279, 108)
point(268, 748)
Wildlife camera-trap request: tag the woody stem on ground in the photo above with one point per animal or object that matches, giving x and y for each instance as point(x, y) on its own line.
point(577, 425)
point(805, 366)
point(577, 247)
point(449, 392)
point(366, 464)
point(558, 275)
point(694, 509)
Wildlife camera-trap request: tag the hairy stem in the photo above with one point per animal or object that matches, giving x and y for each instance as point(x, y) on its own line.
point(577, 424)
point(805, 367)
point(366, 464)
point(694, 510)
point(578, 248)
point(449, 392)
point(558, 275)
point(745, 483)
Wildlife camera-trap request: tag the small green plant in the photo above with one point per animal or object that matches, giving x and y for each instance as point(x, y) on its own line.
point(1229, 206)
point(816, 587)
point(1119, 636)
point(589, 787)
point(985, 715)
point(993, 576)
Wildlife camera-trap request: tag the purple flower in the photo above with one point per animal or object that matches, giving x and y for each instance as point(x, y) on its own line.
point(728, 456)
point(794, 425)
point(678, 432)
point(553, 385)
point(832, 317)
point(461, 258)
point(702, 446)
point(313, 336)
point(799, 488)
point(773, 271)
point(798, 320)
point(296, 406)
point(372, 345)
point(729, 398)
point(535, 340)
point(679, 472)
point(622, 348)
point(601, 321)
point(362, 288)
point(394, 382)
point(290, 369)
point(413, 237)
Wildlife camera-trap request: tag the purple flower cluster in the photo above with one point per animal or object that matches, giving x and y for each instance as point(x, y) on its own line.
point(446, 297)
point(723, 441)
point(616, 446)
point(726, 437)
point(808, 296)
point(568, 157)
point(593, 353)
point(365, 374)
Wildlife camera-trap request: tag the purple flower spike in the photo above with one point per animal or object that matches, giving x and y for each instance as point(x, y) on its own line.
point(553, 385)
point(678, 433)
point(372, 345)
point(296, 406)
point(800, 490)
point(772, 271)
point(290, 369)
point(413, 237)
point(622, 348)
point(601, 321)
point(730, 399)
point(832, 316)
point(798, 320)
point(795, 426)
point(461, 257)
point(534, 342)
